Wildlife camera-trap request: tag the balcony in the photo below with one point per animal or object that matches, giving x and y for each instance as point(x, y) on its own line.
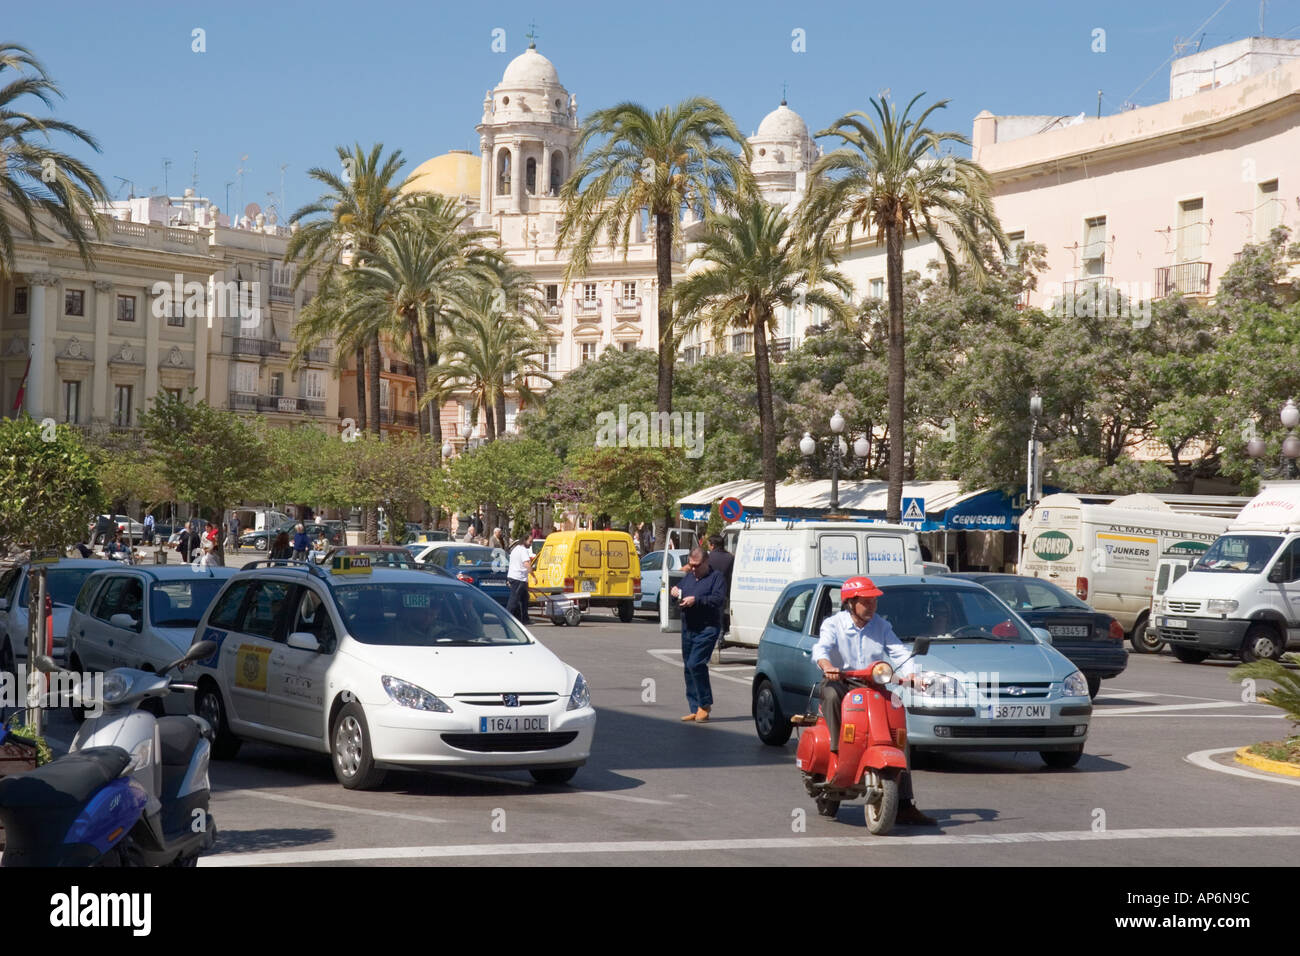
point(281, 293)
point(242, 402)
point(627, 307)
point(554, 314)
point(781, 348)
point(142, 235)
point(1186, 278)
point(249, 346)
point(588, 311)
point(1076, 286)
point(389, 417)
point(401, 368)
point(742, 343)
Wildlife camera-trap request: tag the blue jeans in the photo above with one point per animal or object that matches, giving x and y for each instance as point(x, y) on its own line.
point(697, 647)
point(518, 602)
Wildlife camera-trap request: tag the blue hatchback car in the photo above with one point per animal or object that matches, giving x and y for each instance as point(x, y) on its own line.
point(993, 682)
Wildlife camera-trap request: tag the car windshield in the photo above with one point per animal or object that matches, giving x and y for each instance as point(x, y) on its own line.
point(950, 614)
point(1032, 594)
point(1239, 553)
point(181, 603)
point(62, 584)
point(414, 614)
point(477, 558)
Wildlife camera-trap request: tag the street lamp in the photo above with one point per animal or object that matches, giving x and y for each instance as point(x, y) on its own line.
point(1034, 477)
point(447, 449)
point(837, 454)
point(1290, 418)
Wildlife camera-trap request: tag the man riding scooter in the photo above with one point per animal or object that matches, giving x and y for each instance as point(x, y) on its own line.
point(854, 639)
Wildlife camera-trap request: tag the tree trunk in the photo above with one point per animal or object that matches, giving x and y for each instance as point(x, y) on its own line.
point(374, 363)
point(489, 414)
point(664, 270)
point(895, 391)
point(500, 405)
point(421, 378)
point(767, 421)
point(219, 550)
point(435, 408)
point(361, 388)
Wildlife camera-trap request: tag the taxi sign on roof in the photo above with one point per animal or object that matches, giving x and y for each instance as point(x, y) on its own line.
point(350, 564)
point(45, 557)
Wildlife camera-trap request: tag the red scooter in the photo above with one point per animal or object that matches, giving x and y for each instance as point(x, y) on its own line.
point(873, 732)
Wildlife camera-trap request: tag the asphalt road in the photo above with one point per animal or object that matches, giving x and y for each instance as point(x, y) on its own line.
point(1155, 787)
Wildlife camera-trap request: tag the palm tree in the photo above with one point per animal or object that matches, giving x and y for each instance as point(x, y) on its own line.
point(889, 179)
point(341, 313)
point(755, 262)
point(34, 178)
point(658, 163)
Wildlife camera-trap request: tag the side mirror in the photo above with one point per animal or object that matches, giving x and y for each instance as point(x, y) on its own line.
point(4, 604)
point(1278, 573)
point(304, 641)
point(1043, 634)
point(921, 647)
point(124, 621)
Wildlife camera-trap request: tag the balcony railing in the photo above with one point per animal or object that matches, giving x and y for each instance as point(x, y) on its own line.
point(1188, 278)
point(281, 293)
point(389, 417)
point(1076, 286)
point(780, 348)
point(402, 368)
point(242, 402)
point(247, 346)
point(627, 306)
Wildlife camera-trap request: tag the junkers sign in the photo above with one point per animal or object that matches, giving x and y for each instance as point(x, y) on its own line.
point(1053, 545)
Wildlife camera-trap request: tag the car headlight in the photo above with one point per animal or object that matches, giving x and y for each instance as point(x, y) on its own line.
point(409, 695)
point(941, 685)
point(581, 696)
point(116, 687)
point(1076, 685)
point(1220, 605)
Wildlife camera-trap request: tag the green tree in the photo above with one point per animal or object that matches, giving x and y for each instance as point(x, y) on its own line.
point(753, 264)
point(397, 475)
point(210, 456)
point(49, 485)
point(303, 460)
point(36, 179)
point(632, 484)
point(512, 474)
point(658, 163)
point(892, 180)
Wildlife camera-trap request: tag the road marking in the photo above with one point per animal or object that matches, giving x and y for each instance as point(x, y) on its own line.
point(666, 655)
point(621, 796)
point(358, 854)
point(1117, 691)
point(1158, 708)
point(281, 798)
point(1205, 759)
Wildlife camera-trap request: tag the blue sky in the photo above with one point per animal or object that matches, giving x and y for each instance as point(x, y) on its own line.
point(284, 82)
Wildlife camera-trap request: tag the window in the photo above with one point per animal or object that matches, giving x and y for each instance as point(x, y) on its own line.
point(177, 317)
point(1191, 230)
point(312, 617)
point(314, 385)
point(226, 612)
point(1014, 241)
point(20, 300)
point(72, 402)
point(588, 553)
point(627, 346)
point(277, 384)
point(629, 293)
point(552, 296)
point(1267, 211)
point(74, 302)
point(175, 394)
point(122, 595)
point(652, 561)
point(263, 612)
point(792, 614)
point(245, 377)
point(877, 288)
point(551, 363)
point(122, 406)
point(557, 172)
point(384, 393)
point(588, 351)
point(126, 308)
point(1094, 246)
point(589, 295)
point(503, 172)
point(530, 176)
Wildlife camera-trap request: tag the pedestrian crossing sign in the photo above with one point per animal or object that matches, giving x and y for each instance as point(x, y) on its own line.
point(914, 509)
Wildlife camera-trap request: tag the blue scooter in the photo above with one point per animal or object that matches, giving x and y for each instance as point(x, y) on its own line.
point(133, 790)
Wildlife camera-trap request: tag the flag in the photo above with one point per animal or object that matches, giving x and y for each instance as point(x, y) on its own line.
point(22, 387)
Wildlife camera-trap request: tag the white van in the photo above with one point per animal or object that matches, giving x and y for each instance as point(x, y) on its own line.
point(1243, 596)
point(1108, 554)
point(771, 554)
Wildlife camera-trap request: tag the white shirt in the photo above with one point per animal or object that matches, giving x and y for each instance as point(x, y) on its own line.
point(854, 648)
point(520, 557)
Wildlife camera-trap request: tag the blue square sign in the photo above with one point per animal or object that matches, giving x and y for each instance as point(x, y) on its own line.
point(914, 509)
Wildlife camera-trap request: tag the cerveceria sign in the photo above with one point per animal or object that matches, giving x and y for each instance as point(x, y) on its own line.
point(1053, 545)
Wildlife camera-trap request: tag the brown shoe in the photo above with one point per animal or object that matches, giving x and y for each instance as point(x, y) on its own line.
point(910, 815)
point(702, 715)
point(689, 717)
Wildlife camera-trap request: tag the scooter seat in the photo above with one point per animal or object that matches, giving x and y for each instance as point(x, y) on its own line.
point(67, 782)
point(177, 736)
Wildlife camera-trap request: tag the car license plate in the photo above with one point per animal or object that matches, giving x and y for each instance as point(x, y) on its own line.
point(1068, 630)
point(589, 587)
point(1172, 622)
point(1017, 711)
point(514, 725)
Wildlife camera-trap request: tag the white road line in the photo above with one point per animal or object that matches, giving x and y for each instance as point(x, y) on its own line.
point(1159, 708)
point(358, 854)
point(666, 655)
point(1208, 716)
point(1205, 759)
point(620, 796)
point(281, 798)
point(1107, 691)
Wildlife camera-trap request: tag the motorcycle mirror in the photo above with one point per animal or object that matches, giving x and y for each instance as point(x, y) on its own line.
point(45, 664)
point(197, 652)
point(921, 647)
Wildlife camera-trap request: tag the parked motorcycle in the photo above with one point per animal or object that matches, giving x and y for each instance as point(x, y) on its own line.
point(132, 791)
point(873, 732)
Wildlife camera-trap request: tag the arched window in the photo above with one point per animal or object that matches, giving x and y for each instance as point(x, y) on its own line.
point(503, 172)
point(530, 177)
point(557, 172)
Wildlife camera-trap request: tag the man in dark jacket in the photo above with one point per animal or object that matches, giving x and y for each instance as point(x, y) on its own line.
point(700, 596)
point(722, 561)
point(187, 542)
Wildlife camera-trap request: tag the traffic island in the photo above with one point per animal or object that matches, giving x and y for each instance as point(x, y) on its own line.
point(1274, 756)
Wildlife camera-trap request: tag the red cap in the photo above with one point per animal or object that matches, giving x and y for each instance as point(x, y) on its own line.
point(859, 587)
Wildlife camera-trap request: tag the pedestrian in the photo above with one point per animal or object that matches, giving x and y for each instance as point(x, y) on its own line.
point(187, 542)
point(117, 549)
point(700, 598)
point(232, 532)
point(204, 557)
point(321, 546)
point(210, 536)
point(722, 561)
point(479, 526)
point(536, 531)
point(521, 561)
point(148, 529)
point(281, 548)
point(301, 542)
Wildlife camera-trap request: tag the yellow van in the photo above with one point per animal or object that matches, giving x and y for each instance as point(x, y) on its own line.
point(600, 568)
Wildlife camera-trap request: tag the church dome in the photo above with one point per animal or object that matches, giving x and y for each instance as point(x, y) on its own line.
point(783, 123)
point(530, 70)
point(452, 174)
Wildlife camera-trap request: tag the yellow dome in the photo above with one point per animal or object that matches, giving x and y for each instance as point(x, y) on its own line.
point(452, 174)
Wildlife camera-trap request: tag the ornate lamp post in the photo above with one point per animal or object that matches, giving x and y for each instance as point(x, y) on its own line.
point(1290, 418)
point(837, 454)
point(1034, 474)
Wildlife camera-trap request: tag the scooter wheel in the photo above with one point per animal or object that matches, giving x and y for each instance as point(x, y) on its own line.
point(827, 807)
point(884, 811)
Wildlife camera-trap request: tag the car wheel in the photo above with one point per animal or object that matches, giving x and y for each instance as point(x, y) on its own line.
point(354, 763)
point(1262, 643)
point(259, 544)
point(553, 776)
point(1094, 685)
point(209, 706)
point(1062, 759)
point(1145, 638)
point(882, 813)
point(1188, 655)
point(626, 610)
point(773, 727)
point(827, 807)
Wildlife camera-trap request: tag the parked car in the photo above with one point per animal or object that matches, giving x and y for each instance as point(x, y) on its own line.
point(64, 579)
point(262, 540)
point(384, 668)
point(652, 568)
point(996, 684)
point(599, 566)
point(475, 564)
point(1093, 640)
point(380, 555)
point(106, 526)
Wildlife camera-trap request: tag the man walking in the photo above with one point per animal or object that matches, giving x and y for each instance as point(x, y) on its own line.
point(232, 533)
point(722, 561)
point(700, 598)
point(521, 560)
point(148, 529)
point(188, 542)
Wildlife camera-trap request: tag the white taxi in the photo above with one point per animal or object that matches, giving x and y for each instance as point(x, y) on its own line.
point(385, 668)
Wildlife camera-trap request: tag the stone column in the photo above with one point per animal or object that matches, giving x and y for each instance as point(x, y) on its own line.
point(99, 407)
point(544, 187)
point(39, 324)
point(152, 324)
point(487, 185)
point(516, 178)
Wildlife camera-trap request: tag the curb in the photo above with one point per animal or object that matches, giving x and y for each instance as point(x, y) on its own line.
point(1243, 756)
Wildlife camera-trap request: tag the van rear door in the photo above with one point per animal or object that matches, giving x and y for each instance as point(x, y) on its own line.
point(885, 554)
point(837, 555)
